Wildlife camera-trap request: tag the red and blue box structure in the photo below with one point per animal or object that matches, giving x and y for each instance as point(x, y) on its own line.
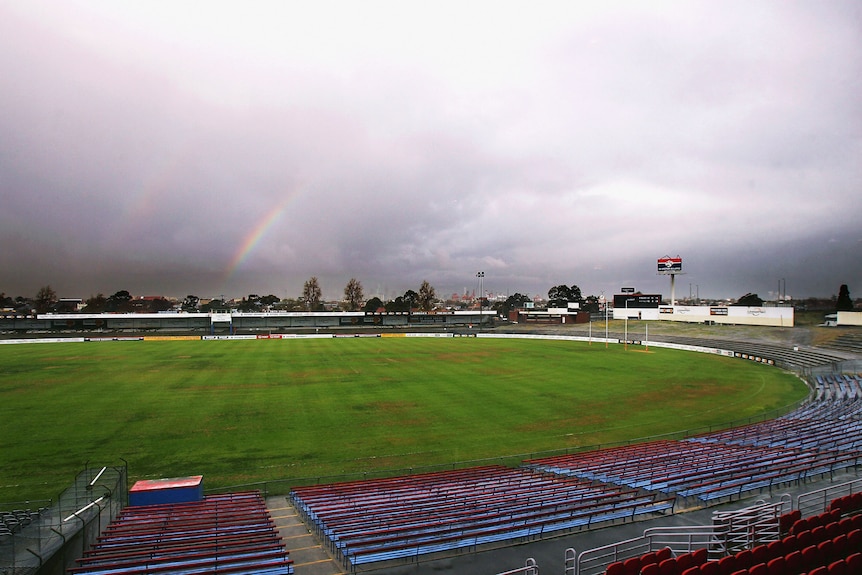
point(173, 490)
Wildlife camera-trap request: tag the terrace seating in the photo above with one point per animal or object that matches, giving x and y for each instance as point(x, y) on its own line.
point(226, 534)
point(374, 521)
point(700, 469)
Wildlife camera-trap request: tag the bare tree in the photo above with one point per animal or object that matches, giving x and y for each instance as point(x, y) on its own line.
point(45, 299)
point(353, 294)
point(311, 294)
point(426, 296)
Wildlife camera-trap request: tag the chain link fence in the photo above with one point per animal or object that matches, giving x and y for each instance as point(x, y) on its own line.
point(46, 537)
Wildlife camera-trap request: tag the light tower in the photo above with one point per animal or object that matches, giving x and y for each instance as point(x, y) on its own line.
point(670, 266)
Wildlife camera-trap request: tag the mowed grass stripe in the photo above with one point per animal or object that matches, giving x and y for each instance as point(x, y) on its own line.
point(244, 411)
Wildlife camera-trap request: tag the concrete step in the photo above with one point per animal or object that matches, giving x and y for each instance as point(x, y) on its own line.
point(308, 555)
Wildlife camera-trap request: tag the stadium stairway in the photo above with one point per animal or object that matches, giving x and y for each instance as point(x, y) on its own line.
point(308, 555)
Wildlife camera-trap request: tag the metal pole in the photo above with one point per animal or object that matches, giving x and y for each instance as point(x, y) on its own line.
point(606, 323)
point(626, 336)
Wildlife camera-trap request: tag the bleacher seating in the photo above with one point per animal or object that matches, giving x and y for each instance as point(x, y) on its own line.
point(820, 438)
point(372, 521)
point(224, 534)
point(15, 520)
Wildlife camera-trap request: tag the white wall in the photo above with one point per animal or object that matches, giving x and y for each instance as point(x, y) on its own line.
point(739, 315)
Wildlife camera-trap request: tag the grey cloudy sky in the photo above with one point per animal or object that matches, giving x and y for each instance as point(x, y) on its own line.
point(176, 147)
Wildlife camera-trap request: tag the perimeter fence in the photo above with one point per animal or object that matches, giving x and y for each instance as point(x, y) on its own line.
point(46, 537)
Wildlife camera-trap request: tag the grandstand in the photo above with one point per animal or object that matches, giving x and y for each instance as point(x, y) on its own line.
point(230, 533)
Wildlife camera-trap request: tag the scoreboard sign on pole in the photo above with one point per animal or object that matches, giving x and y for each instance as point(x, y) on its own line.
point(669, 265)
point(637, 301)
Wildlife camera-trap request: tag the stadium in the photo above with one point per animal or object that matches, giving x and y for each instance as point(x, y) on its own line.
point(749, 483)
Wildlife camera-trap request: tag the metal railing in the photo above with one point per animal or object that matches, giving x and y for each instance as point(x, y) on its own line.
point(530, 568)
point(816, 502)
point(58, 534)
point(729, 532)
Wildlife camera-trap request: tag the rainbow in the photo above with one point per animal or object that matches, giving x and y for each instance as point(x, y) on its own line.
point(253, 237)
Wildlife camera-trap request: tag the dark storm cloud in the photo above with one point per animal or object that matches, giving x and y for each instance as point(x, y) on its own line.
point(160, 149)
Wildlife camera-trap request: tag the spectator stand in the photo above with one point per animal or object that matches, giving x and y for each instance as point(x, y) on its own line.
point(226, 534)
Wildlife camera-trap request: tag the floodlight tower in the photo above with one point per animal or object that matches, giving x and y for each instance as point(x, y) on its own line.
point(670, 266)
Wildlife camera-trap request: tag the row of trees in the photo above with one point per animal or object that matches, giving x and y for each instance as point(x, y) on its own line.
point(311, 300)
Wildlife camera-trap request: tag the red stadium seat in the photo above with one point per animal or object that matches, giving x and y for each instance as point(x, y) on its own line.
point(632, 566)
point(776, 549)
point(744, 559)
point(819, 571)
point(758, 569)
point(684, 561)
point(650, 569)
point(615, 568)
point(701, 556)
point(692, 571)
point(668, 567)
point(760, 554)
point(663, 553)
point(793, 561)
point(854, 562)
point(854, 539)
point(649, 558)
point(727, 565)
point(710, 568)
point(826, 552)
point(819, 534)
point(804, 539)
point(778, 566)
point(798, 526)
point(787, 520)
point(789, 543)
point(839, 546)
point(810, 557)
point(839, 568)
point(814, 521)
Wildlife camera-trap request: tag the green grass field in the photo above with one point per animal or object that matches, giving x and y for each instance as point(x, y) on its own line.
point(246, 411)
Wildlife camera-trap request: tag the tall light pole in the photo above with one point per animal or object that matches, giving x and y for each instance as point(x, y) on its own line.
point(481, 276)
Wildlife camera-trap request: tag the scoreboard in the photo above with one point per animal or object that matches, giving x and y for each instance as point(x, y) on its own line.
point(637, 301)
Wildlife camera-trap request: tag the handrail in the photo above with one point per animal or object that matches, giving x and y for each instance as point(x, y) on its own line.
point(530, 568)
point(817, 501)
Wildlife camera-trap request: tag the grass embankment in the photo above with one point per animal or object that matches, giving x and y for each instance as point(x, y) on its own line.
point(244, 411)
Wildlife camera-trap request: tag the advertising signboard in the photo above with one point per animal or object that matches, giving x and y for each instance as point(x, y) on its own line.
point(670, 265)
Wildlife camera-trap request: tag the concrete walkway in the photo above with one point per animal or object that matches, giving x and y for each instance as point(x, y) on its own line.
point(308, 555)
